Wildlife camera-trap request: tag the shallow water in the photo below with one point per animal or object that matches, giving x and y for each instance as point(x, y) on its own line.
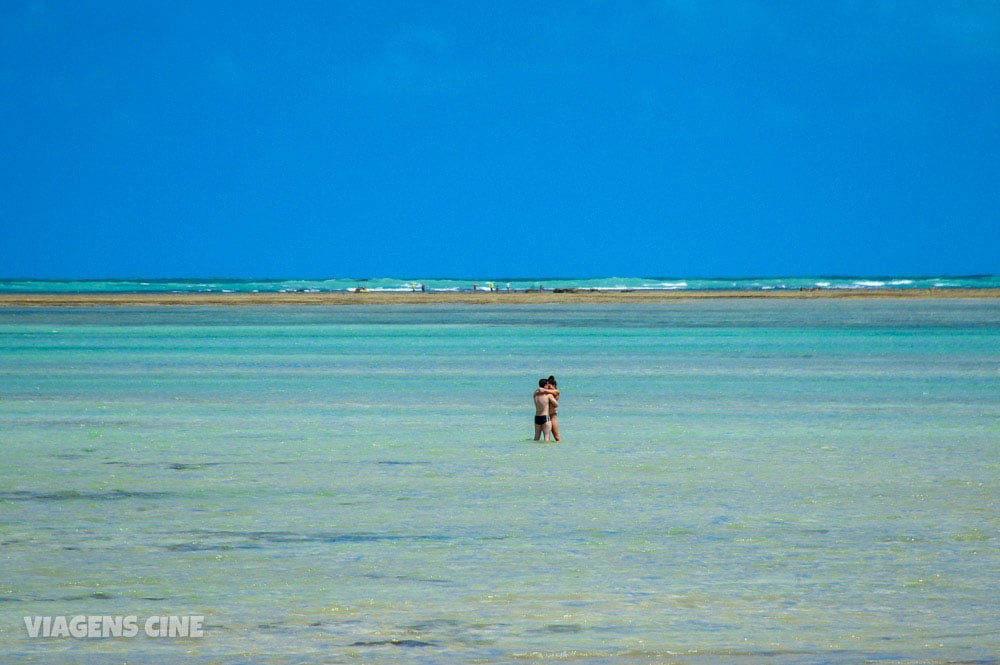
point(739, 481)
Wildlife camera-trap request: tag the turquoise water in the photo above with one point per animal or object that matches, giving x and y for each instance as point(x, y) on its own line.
point(740, 481)
point(488, 282)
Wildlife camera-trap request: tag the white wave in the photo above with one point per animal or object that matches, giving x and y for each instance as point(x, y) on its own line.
point(868, 283)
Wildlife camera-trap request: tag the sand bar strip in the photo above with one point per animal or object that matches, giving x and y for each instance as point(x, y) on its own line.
point(569, 297)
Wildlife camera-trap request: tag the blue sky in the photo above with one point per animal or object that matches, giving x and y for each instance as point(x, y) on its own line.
point(499, 139)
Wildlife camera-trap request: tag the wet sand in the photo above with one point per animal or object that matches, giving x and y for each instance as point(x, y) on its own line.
point(559, 296)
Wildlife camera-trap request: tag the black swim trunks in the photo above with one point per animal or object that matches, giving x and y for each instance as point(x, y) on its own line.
point(541, 420)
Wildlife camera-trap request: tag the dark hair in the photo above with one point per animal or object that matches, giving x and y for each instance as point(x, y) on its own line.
point(552, 380)
point(542, 383)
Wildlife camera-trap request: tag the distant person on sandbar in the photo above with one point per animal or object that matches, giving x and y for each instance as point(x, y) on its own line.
point(545, 404)
point(551, 388)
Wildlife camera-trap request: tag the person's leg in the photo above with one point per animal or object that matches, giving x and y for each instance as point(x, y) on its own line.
point(555, 428)
point(547, 430)
point(538, 431)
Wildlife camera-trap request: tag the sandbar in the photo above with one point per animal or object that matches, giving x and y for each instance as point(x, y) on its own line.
point(557, 296)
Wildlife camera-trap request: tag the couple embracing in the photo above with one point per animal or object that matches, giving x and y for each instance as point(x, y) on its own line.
point(546, 403)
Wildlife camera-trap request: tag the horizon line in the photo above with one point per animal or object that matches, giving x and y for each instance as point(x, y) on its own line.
point(219, 278)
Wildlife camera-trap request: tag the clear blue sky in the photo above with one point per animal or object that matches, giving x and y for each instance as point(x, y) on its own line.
point(477, 139)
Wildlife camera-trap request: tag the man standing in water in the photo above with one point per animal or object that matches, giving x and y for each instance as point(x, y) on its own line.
point(545, 404)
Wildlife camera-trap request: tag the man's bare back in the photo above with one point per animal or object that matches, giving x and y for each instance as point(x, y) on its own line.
point(544, 404)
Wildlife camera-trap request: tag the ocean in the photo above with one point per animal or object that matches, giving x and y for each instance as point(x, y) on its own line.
point(487, 283)
point(740, 481)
